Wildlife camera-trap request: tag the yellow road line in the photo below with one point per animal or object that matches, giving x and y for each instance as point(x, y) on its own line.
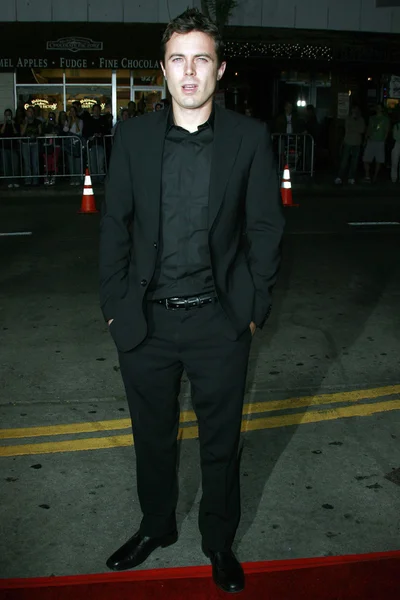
point(190, 417)
point(186, 433)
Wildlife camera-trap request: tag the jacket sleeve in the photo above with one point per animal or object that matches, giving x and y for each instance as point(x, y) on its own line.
point(115, 237)
point(264, 225)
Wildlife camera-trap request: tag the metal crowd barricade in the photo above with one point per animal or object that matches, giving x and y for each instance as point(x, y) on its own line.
point(296, 151)
point(99, 152)
point(47, 157)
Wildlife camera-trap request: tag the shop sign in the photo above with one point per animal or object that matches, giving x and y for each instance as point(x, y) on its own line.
point(74, 44)
point(394, 87)
point(65, 62)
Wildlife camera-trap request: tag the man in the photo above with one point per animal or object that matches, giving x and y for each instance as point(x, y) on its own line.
point(377, 133)
point(124, 117)
point(182, 287)
point(83, 115)
point(132, 109)
point(354, 131)
point(95, 129)
point(287, 122)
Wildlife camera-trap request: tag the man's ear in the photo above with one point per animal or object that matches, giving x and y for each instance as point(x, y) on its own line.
point(221, 71)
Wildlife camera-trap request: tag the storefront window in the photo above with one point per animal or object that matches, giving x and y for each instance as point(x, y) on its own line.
point(123, 97)
point(145, 100)
point(49, 99)
point(148, 77)
point(88, 96)
point(44, 87)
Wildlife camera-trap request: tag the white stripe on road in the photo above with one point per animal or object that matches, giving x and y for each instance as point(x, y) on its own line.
point(13, 233)
point(366, 223)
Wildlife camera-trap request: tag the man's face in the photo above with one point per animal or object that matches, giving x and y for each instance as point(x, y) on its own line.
point(191, 69)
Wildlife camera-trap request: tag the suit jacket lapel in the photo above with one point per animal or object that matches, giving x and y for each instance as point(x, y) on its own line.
point(227, 141)
point(152, 160)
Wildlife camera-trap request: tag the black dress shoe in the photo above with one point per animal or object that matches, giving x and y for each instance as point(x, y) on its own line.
point(227, 571)
point(137, 549)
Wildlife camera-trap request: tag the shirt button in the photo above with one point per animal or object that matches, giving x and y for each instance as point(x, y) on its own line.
point(143, 282)
point(155, 244)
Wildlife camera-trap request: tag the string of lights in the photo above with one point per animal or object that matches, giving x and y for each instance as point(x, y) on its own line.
point(278, 50)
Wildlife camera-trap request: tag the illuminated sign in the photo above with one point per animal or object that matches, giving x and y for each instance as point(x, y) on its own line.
point(90, 102)
point(42, 104)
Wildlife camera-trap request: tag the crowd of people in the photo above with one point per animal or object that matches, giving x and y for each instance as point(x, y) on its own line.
point(35, 148)
point(371, 141)
point(376, 139)
point(45, 147)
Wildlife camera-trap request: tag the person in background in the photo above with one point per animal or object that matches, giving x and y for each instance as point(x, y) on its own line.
point(9, 149)
point(62, 118)
point(108, 118)
point(38, 113)
point(20, 117)
point(31, 130)
point(60, 141)
point(132, 109)
point(287, 122)
point(158, 106)
point(83, 115)
point(95, 130)
point(394, 174)
point(377, 133)
point(124, 117)
point(51, 151)
point(73, 127)
point(353, 137)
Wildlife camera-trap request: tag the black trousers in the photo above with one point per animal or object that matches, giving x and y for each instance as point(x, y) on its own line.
point(195, 341)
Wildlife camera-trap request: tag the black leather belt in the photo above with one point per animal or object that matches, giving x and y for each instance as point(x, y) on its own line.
point(188, 302)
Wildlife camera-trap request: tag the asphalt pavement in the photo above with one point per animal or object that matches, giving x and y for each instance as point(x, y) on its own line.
point(320, 461)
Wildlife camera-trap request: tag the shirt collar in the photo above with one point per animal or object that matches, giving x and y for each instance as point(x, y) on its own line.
point(210, 122)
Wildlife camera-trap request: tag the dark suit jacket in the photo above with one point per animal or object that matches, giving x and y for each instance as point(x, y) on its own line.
point(244, 199)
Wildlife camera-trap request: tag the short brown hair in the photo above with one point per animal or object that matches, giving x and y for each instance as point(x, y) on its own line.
point(193, 20)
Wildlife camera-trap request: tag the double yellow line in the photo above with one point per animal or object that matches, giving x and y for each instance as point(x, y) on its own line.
point(353, 400)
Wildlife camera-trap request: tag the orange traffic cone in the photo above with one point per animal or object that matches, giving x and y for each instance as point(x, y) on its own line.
point(88, 205)
point(286, 188)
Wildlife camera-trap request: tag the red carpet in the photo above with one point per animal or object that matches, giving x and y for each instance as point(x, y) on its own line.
point(358, 577)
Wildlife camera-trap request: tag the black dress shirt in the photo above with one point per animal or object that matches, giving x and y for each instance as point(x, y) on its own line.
point(183, 265)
